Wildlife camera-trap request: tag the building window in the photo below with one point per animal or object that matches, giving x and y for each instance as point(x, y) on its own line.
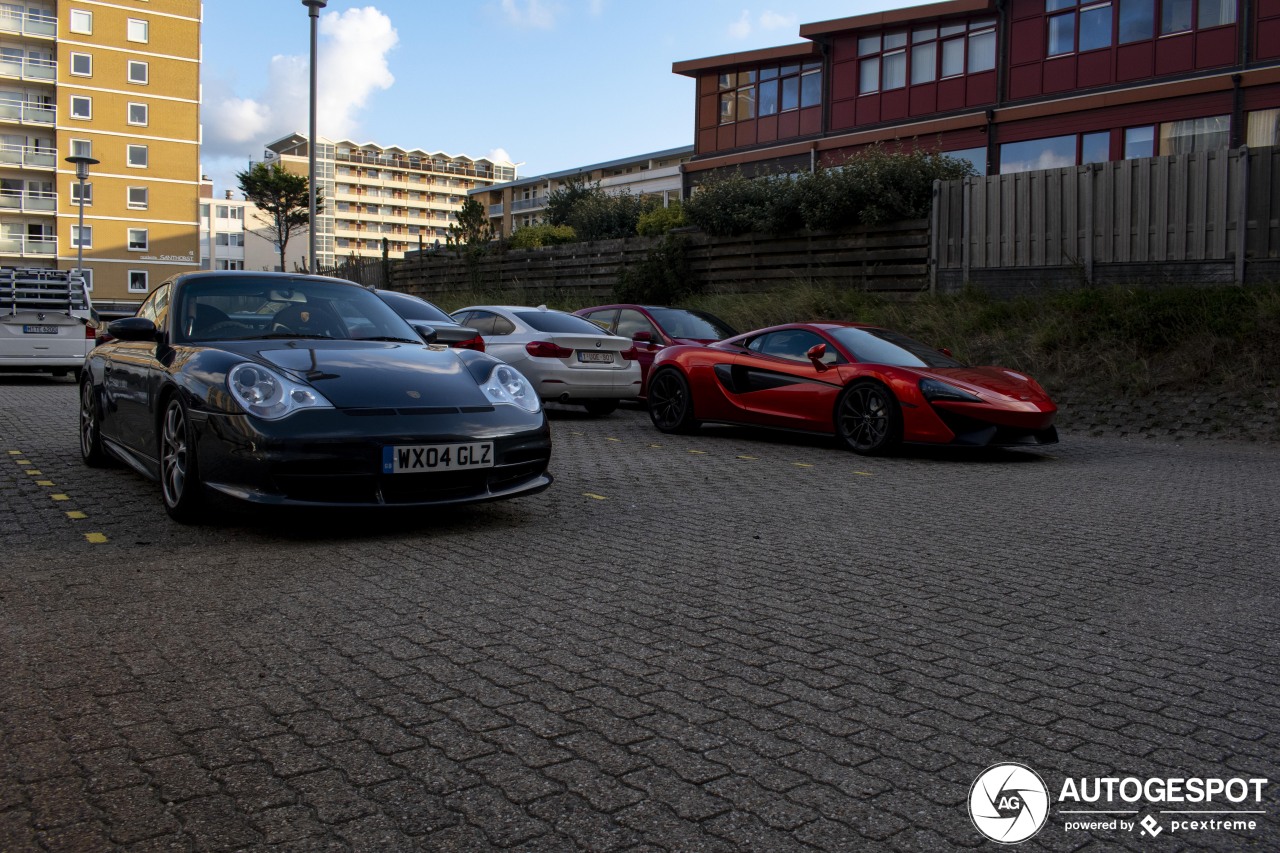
point(88, 193)
point(82, 64)
point(230, 265)
point(138, 30)
point(88, 279)
point(765, 92)
point(1052, 153)
point(82, 236)
point(81, 107)
point(137, 156)
point(1216, 13)
point(1196, 134)
point(81, 148)
point(1139, 142)
point(924, 55)
point(139, 198)
point(138, 281)
point(886, 62)
point(138, 72)
point(137, 239)
point(1175, 16)
point(1264, 128)
point(975, 157)
point(81, 22)
point(1095, 147)
point(982, 45)
point(138, 114)
point(1137, 20)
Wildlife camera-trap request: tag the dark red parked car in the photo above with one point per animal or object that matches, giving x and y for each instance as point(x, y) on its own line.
point(654, 328)
point(871, 387)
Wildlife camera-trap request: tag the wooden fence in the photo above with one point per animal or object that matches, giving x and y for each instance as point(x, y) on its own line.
point(890, 259)
point(1207, 216)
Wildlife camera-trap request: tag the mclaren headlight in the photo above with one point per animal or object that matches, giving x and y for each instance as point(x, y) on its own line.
point(935, 391)
point(508, 385)
point(266, 394)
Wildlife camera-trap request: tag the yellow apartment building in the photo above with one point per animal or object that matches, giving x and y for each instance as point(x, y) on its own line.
point(409, 197)
point(119, 82)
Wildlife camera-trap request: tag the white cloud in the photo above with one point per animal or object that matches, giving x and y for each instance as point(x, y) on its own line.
point(499, 155)
point(741, 28)
point(530, 14)
point(776, 21)
point(352, 66)
point(595, 8)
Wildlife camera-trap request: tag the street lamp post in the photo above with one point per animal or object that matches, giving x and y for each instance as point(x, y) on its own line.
point(82, 165)
point(313, 11)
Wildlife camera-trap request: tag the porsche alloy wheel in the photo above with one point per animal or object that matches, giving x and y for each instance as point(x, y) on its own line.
point(90, 427)
point(670, 402)
point(867, 419)
point(179, 480)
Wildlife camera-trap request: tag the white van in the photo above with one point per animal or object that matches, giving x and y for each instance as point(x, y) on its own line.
point(47, 322)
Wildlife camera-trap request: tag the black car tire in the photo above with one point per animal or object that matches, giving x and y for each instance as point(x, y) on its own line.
point(671, 402)
point(179, 474)
point(600, 408)
point(868, 418)
point(91, 451)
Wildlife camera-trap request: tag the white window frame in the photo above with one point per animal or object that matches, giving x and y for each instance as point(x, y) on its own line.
point(145, 27)
point(78, 234)
point(72, 65)
point(146, 114)
point(73, 195)
point(133, 205)
point(81, 15)
point(146, 72)
point(88, 279)
point(85, 151)
point(85, 99)
point(146, 155)
point(146, 281)
point(130, 240)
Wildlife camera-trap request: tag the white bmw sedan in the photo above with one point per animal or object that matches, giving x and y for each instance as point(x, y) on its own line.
point(568, 359)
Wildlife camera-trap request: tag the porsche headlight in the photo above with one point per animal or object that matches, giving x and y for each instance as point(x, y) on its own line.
point(508, 385)
point(934, 390)
point(270, 396)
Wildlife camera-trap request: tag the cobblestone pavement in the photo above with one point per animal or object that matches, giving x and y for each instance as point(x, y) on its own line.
point(729, 641)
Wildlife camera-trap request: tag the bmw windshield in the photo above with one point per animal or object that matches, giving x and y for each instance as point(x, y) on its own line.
point(692, 325)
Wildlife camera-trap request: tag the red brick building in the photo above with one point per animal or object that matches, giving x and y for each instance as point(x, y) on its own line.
point(1010, 85)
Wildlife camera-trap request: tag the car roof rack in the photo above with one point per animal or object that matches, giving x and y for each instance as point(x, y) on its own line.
point(28, 288)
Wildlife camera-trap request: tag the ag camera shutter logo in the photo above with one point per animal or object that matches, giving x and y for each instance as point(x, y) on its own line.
point(1008, 803)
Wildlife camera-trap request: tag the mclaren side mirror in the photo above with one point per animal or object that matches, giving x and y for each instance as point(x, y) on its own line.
point(816, 352)
point(945, 351)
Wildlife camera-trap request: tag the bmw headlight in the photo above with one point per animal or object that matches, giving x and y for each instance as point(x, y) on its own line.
point(508, 385)
point(933, 390)
point(270, 396)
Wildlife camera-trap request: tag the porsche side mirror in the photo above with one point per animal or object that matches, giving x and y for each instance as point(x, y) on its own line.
point(427, 333)
point(132, 329)
point(816, 352)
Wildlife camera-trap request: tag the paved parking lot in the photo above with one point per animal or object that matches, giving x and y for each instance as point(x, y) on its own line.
point(730, 641)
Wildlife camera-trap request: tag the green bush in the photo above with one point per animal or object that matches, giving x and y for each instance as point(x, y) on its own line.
point(659, 220)
point(663, 277)
point(536, 236)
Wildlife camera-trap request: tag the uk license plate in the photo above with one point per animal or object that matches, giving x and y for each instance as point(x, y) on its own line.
point(425, 458)
point(596, 357)
point(39, 330)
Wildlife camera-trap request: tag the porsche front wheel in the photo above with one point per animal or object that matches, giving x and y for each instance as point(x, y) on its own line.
point(868, 419)
point(179, 477)
point(670, 402)
point(90, 427)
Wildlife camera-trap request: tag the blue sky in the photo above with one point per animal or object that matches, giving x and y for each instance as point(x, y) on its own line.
point(552, 84)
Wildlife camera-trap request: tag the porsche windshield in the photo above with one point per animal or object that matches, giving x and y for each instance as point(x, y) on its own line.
point(881, 346)
point(244, 307)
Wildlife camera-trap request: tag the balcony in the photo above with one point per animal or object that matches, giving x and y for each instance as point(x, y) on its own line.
point(29, 68)
point(28, 156)
point(414, 163)
point(495, 209)
point(30, 23)
point(14, 201)
point(27, 247)
point(522, 204)
point(27, 112)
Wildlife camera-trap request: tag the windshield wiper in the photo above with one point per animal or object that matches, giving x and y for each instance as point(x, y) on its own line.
point(390, 339)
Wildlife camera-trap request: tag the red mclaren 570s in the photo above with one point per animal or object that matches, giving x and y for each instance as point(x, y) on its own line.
point(871, 387)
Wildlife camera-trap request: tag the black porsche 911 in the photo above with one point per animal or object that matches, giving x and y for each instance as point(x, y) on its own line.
point(297, 390)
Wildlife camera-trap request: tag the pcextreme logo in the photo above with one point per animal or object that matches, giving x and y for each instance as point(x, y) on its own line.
point(1009, 803)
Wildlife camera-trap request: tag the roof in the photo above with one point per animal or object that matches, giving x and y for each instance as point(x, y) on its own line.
point(693, 67)
point(294, 139)
point(684, 150)
point(897, 16)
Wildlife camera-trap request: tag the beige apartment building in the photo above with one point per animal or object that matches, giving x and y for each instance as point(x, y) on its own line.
point(407, 197)
point(118, 82)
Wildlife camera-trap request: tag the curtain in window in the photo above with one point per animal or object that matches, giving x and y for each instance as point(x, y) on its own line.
point(1196, 134)
point(1264, 128)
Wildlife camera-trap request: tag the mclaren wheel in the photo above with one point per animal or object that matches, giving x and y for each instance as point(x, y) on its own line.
point(600, 408)
point(670, 402)
point(179, 474)
point(868, 419)
point(91, 427)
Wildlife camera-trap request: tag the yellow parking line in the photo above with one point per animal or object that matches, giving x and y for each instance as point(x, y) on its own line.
point(802, 464)
point(14, 452)
point(655, 445)
point(613, 439)
point(864, 473)
point(594, 497)
point(747, 457)
point(96, 538)
point(698, 451)
point(44, 482)
point(60, 497)
point(23, 461)
point(76, 514)
point(34, 473)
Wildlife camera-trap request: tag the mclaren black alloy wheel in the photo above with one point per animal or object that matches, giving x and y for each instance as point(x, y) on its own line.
point(179, 477)
point(670, 402)
point(868, 419)
point(600, 408)
point(90, 427)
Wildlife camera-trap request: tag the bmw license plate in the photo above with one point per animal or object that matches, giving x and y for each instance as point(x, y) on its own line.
point(39, 330)
point(596, 357)
point(425, 458)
